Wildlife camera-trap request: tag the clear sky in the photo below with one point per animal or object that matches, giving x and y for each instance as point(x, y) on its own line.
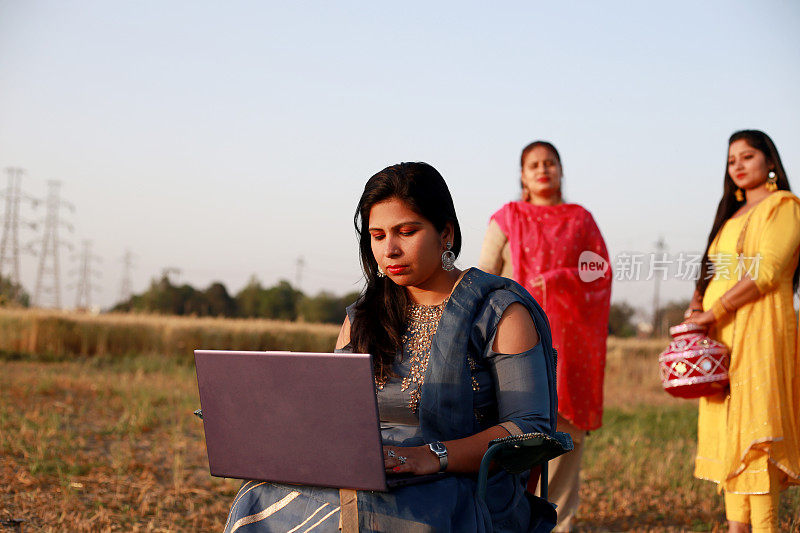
point(230, 138)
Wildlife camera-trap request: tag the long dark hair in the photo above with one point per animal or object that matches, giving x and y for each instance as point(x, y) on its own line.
point(728, 205)
point(380, 314)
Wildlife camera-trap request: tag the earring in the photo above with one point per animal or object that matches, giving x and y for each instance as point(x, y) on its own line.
point(772, 181)
point(381, 273)
point(448, 258)
point(739, 195)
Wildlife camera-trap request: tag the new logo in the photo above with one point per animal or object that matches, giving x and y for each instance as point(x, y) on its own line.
point(591, 266)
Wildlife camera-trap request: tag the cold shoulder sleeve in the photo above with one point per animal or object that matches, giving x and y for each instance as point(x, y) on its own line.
point(350, 310)
point(521, 380)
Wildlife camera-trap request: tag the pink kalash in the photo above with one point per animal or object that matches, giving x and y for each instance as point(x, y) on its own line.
point(693, 365)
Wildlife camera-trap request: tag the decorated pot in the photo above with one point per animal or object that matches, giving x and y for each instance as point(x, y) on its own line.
point(693, 365)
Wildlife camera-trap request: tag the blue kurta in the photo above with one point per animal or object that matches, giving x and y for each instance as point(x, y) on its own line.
point(449, 408)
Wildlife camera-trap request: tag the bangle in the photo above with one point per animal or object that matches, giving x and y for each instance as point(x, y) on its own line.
point(719, 310)
point(726, 304)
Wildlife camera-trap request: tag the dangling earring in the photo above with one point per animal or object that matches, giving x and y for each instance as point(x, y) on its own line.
point(772, 181)
point(739, 195)
point(448, 258)
point(381, 273)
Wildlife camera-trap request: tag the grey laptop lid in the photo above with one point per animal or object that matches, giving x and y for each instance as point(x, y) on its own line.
point(306, 418)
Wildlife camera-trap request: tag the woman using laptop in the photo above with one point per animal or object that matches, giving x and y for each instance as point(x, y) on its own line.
point(461, 358)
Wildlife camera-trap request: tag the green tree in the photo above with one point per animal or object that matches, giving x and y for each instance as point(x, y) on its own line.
point(12, 294)
point(248, 301)
point(326, 307)
point(669, 315)
point(165, 298)
point(218, 300)
point(281, 302)
point(620, 320)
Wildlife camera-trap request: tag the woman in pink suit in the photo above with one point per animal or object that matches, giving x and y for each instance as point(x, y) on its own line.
point(555, 250)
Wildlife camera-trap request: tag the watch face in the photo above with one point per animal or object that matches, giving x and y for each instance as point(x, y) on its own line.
point(438, 448)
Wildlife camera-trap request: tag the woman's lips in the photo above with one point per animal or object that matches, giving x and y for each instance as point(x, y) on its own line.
point(543, 179)
point(396, 269)
point(741, 174)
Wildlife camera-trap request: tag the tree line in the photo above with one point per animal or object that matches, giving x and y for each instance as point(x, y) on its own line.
point(280, 302)
point(284, 302)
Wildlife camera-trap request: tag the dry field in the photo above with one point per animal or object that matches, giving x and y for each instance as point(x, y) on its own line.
point(108, 443)
point(88, 446)
point(53, 335)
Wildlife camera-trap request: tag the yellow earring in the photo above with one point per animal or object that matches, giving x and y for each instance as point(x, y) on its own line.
point(739, 195)
point(772, 181)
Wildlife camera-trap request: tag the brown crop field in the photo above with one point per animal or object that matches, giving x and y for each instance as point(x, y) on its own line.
point(98, 439)
point(54, 335)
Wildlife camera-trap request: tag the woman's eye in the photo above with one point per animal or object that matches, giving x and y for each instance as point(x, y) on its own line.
point(408, 233)
point(377, 237)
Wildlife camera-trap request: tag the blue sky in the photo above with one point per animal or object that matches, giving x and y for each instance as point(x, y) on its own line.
point(230, 138)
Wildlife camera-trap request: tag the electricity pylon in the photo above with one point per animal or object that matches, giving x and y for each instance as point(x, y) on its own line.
point(48, 254)
point(126, 287)
point(9, 242)
point(661, 246)
point(83, 297)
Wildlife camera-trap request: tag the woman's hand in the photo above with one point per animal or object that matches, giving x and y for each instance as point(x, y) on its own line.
point(416, 460)
point(695, 306)
point(701, 318)
point(691, 311)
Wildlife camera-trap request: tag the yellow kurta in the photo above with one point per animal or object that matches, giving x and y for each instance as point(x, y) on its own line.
point(758, 421)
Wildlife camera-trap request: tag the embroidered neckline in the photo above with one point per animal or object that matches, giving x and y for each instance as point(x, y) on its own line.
point(423, 320)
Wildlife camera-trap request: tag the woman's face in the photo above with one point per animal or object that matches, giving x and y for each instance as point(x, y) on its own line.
point(747, 166)
point(406, 246)
point(541, 173)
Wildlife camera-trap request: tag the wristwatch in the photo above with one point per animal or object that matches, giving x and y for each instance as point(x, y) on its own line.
point(440, 451)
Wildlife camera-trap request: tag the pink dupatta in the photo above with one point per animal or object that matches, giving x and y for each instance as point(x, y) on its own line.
point(546, 242)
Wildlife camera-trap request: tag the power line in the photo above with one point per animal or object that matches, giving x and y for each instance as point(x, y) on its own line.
point(48, 254)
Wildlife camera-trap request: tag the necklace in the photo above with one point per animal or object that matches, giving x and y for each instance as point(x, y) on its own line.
point(421, 326)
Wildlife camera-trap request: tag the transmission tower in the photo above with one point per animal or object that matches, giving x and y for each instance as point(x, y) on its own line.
point(661, 246)
point(299, 265)
point(126, 287)
point(48, 279)
point(9, 242)
point(83, 297)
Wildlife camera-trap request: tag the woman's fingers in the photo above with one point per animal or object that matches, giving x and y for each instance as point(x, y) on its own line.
point(392, 457)
point(405, 460)
point(401, 464)
point(704, 318)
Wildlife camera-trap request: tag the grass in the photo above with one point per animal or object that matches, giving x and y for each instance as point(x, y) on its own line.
point(90, 447)
point(637, 468)
point(108, 443)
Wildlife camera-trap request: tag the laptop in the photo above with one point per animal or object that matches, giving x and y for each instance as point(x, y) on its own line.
point(290, 417)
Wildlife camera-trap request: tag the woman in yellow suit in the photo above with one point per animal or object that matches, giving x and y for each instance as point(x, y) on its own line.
point(749, 437)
